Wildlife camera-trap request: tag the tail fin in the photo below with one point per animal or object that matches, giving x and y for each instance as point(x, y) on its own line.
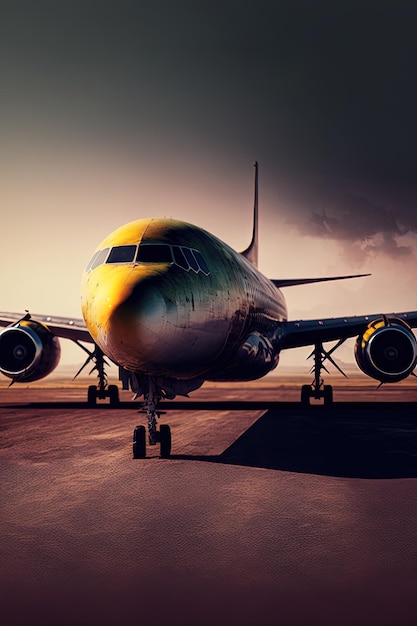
point(251, 252)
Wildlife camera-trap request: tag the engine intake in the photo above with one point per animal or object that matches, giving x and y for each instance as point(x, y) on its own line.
point(387, 350)
point(28, 351)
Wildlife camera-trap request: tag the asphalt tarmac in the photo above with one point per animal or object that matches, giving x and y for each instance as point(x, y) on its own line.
point(267, 513)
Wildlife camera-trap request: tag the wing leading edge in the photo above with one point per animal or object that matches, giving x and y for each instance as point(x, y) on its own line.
point(300, 333)
point(63, 327)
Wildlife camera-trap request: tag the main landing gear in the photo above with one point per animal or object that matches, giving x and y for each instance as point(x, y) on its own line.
point(155, 436)
point(102, 390)
point(318, 389)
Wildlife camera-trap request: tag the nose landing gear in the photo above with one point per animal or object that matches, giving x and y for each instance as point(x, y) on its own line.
point(155, 436)
point(161, 436)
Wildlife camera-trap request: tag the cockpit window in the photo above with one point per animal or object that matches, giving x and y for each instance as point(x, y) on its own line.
point(191, 259)
point(201, 262)
point(154, 253)
point(179, 258)
point(91, 261)
point(122, 254)
point(99, 258)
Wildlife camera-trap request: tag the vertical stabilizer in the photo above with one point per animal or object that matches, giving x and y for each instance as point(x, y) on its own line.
point(251, 252)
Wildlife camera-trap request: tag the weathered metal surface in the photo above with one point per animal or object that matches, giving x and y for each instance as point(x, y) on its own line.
point(162, 320)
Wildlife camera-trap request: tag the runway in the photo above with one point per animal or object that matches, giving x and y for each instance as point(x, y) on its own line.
point(267, 513)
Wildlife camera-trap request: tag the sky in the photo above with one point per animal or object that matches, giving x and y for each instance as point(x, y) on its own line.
point(112, 111)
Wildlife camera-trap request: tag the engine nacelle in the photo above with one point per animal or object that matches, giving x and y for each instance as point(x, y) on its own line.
point(387, 350)
point(28, 351)
point(255, 358)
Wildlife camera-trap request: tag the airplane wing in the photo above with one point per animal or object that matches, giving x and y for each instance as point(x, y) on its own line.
point(300, 333)
point(65, 327)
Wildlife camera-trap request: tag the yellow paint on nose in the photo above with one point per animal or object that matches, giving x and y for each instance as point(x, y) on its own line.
point(106, 288)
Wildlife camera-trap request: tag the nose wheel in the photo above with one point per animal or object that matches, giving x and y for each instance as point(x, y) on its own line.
point(155, 436)
point(139, 442)
point(161, 437)
point(165, 441)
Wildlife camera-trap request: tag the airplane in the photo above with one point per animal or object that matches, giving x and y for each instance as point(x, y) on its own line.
point(173, 306)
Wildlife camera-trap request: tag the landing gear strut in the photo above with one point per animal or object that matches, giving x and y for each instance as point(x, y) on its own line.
point(155, 436)
point(102, 390)
point(318, 389)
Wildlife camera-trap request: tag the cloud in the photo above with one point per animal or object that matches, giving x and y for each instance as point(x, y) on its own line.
point(363, 228)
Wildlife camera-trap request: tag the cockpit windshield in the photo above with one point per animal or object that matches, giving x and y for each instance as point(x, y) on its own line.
point(186, 258)
point(154, 253)
point(122, 254)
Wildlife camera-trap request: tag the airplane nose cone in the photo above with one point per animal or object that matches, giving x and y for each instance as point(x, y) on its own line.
point(138, 327)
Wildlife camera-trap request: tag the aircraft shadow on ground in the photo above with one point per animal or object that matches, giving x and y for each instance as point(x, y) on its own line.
point(351, 439)
point(360, 440)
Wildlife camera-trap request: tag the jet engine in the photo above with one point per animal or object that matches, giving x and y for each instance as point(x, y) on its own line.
point(28, 351)
point(387, 350)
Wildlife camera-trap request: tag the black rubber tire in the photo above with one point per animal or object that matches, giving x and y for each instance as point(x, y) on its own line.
point(305, 395)
point(139, 442)
point(92, 395)
point(113, 392)
point(165, 441)
point(328, 394)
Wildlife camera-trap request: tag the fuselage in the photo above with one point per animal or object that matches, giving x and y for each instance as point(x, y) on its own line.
point(165, 298)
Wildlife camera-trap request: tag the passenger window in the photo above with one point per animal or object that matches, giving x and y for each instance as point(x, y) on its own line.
point(154, 253)
point(122, 254)
point(201, 262)
point(179, 258)
point(100, 258)
point(190, 258)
